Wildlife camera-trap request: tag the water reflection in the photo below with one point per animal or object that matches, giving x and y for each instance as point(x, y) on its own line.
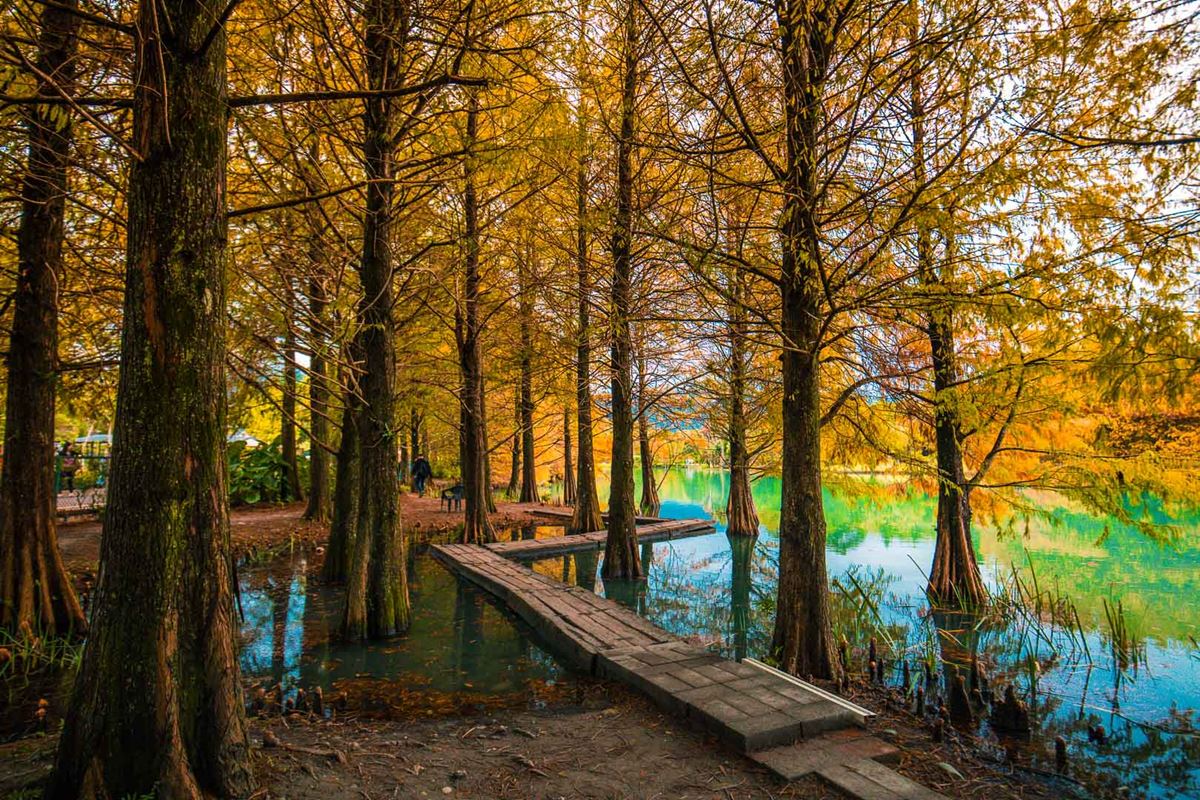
point(461, 653)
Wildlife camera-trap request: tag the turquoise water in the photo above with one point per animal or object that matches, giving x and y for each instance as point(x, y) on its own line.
point(881, 539)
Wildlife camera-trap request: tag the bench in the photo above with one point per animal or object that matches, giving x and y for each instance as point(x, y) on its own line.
point(452, 495)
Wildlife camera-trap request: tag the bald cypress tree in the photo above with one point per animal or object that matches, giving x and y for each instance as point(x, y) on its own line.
point(35, 589)
point(157, 705)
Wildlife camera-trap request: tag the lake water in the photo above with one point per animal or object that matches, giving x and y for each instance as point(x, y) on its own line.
point(881, 542)
point(463, 654)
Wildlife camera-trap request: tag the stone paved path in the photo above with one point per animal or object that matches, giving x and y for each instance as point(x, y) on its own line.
point(779, 721)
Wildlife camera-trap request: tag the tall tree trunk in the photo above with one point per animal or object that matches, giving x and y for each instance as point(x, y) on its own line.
point(318, 398)
point(514, 476)
point(36, 595)
point(650, 503)
point(414, 443)
point(290, 486)
point(740, 514)
point(621, 552)
point(955, 578)
point(529, 489)
point(157, 705)
point(587, 503)
point(346, 489)
point(803, 638)
point(477, 488)
point(568, 466)
point(377, 585)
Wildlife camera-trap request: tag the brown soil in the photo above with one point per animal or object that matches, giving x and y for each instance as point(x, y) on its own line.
point(265, 526)
point(612, 744)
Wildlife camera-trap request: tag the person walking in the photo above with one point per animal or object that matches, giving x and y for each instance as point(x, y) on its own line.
point(68, 465)
point(421, 472)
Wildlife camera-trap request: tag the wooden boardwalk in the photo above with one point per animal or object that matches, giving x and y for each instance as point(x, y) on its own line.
point(783, 723)
point(664, 530)
point(564, 515)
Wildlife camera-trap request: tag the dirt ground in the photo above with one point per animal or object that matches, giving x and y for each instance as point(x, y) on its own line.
point(266, 526)
point(611, 745)
point(606, 743)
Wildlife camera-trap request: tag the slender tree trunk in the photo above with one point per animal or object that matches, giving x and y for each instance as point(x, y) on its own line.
point(477, 488)
point(157, 705)
point(377, 584)
point(346, 490)
point(36, 595)
point(318, 397)
point(414, 443)
point(954, 579)
point(740, 513)
point(587, 502)
point(568, 467)
point(290, 488)
point(621, 552)
point(650, 503)
point(803, 638)
point(514, 477)
point(529, 489)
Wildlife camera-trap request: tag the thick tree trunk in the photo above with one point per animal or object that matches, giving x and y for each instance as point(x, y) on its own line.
point(568, 466)
point(477, 489)
point(318, 398)
point(157, 706)
point(377, 584)
point(803, 638)
point(742, 549)
point(514, 476)
point(621, 552)
point(741, 517)
point(36, 596)
point(290, 486)
point(650, 503)
point(346, 490)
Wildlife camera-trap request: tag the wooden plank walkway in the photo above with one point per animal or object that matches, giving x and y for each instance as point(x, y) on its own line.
point(528, 549)
point(565, 514)
point(776, 719)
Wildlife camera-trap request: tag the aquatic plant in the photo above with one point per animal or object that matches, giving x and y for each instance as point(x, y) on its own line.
point(28, 654)
point(1128, 650)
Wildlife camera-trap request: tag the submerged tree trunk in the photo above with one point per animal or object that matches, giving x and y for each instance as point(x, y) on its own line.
point(741, 517)
point(377, 584)
point(568, 467)
point(802, 643)
point(157, 705)
point(290, 485)
point(36, 596)
point(346, 491)
point(650, 503)
point(477, 489)
point(621, 552)
point(318, 399)
point(741, 548)
point(587, 502)
point(955, 578)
